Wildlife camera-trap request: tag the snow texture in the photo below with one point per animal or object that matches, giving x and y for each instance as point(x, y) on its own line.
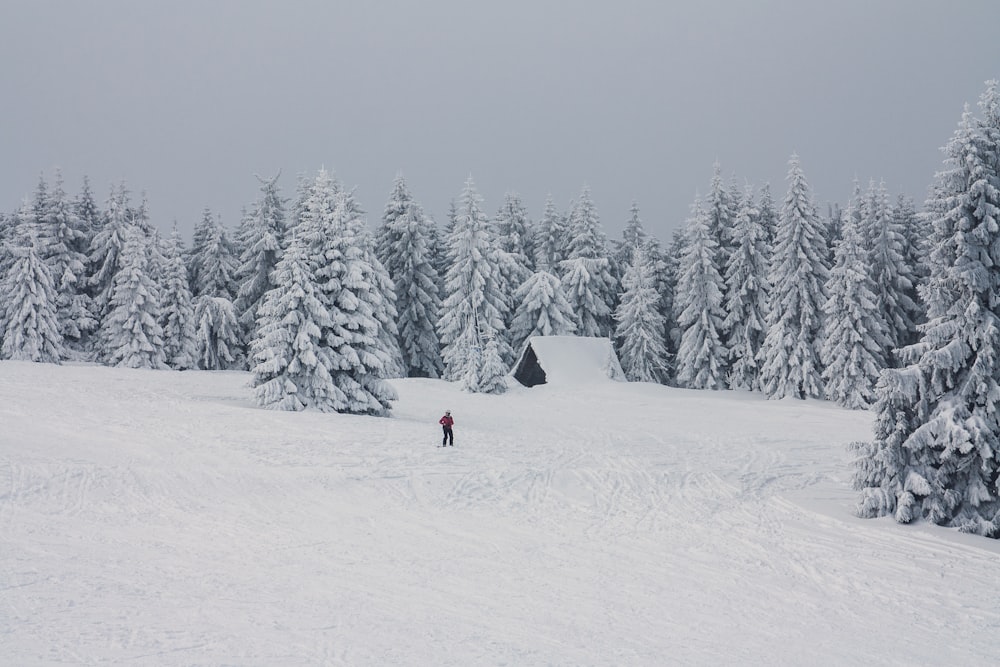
point(157, 518)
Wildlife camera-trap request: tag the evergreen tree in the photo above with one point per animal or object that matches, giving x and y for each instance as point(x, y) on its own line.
point(30, 330)
point(474, 309)
point(63, 242)
point(894, 278)
point(404, 246)
point(492, 376)
point(87, 211)
point(855, 339)
point(701, 358)
point(261, 238)
point(586, 275)
point(131, 335)
point(641, 328)
point(213, 264)
point(550, 238)
point(768, 214)
point(218, 338)
point(747, 290)
point(357, 293)
point(515, 233)
point(720, 210)
point(291, 360)
point(106, 248)
point(542, 310)
point(936, 452)
point(790, 353)
point(176, 308)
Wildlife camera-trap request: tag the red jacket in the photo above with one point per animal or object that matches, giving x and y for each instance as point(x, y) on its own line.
point(446, 421)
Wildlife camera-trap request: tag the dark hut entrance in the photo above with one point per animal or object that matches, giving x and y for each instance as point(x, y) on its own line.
point(528, 371)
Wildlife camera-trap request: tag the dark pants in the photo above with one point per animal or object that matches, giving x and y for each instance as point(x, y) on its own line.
point(449, 437)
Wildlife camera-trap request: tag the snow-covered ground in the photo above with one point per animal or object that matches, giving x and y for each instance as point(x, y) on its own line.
point(158, 518)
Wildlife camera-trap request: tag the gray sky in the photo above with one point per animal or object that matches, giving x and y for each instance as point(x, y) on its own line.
point(187, 100)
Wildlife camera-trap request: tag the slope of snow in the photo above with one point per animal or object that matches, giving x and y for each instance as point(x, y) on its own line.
point(158, 518)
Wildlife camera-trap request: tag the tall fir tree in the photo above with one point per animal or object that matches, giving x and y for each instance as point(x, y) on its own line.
point(474, 308)
point(290, 360)
point(213, 264)
point(542, 310)
point(131, 335)
point(855, 339)
point(790, 361)
point(405, 247)
point(106, 248)
point(30, 328)
point(701, 357)
point(641, 329)
point(586, 274)
point(746, 296)
point(356, 291)
point(262, 237)
point(936, 451)
point(176, 307)
point(894, 278)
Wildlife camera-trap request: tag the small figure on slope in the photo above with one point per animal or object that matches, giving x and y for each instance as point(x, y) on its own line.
point(446, 423)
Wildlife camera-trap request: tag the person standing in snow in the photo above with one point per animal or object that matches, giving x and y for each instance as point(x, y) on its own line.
point(446, 423)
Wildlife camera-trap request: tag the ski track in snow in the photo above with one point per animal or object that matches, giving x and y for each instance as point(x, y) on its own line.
point(158, 518)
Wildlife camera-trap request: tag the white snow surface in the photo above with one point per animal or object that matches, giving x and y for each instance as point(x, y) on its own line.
point(158, 518)
point(576, 360)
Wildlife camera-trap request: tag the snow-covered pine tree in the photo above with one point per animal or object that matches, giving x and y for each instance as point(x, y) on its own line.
point(213, 264)
point(542, 310)
point(633, 235)
point(405, 247)
point(474, 309)
point(261, 239)
point(701, 357)
point(641, 328)
point(130, 335)
point(63, 240)
point(894, 278)
point(746, 296)
point(550, 238)
point(767, 213)
point(586, 275)
point(291, 361)
point(105, 252)
point(30, 329)
point(218, 336)
point(492, 376)
point(855, 339)
point(670, 277)
point(176, 308)
point(940, 459)
point(516, 233)
point(350, 280)
point(917, 233)
point(720, 209)
point(790, 362)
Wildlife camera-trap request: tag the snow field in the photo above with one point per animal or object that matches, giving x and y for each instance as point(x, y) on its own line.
point(158, 518)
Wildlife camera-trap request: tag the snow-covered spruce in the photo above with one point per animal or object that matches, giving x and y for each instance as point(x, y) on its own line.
point(701, 357)
point(474, 308)
point(290, 362)
point(404, 244)
point(855, 340)
point(31, 328)
point(176, 308)
point(586, 275)
point(936, 452)
point(131, 335)
point(213, 263)
point(542, 310)
point(356, 291)
point(747, 292)
point(262, 235)
point(641, 330)
point(790, 361)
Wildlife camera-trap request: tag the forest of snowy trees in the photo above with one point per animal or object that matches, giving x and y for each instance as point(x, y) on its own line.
point(873, 304)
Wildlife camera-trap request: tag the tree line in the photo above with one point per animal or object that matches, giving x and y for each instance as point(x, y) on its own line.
point(873, 304)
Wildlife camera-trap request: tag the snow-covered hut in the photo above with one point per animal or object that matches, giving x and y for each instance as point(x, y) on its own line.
point(567, 360)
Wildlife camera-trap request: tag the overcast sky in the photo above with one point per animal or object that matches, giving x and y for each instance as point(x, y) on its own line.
point(188, 100)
